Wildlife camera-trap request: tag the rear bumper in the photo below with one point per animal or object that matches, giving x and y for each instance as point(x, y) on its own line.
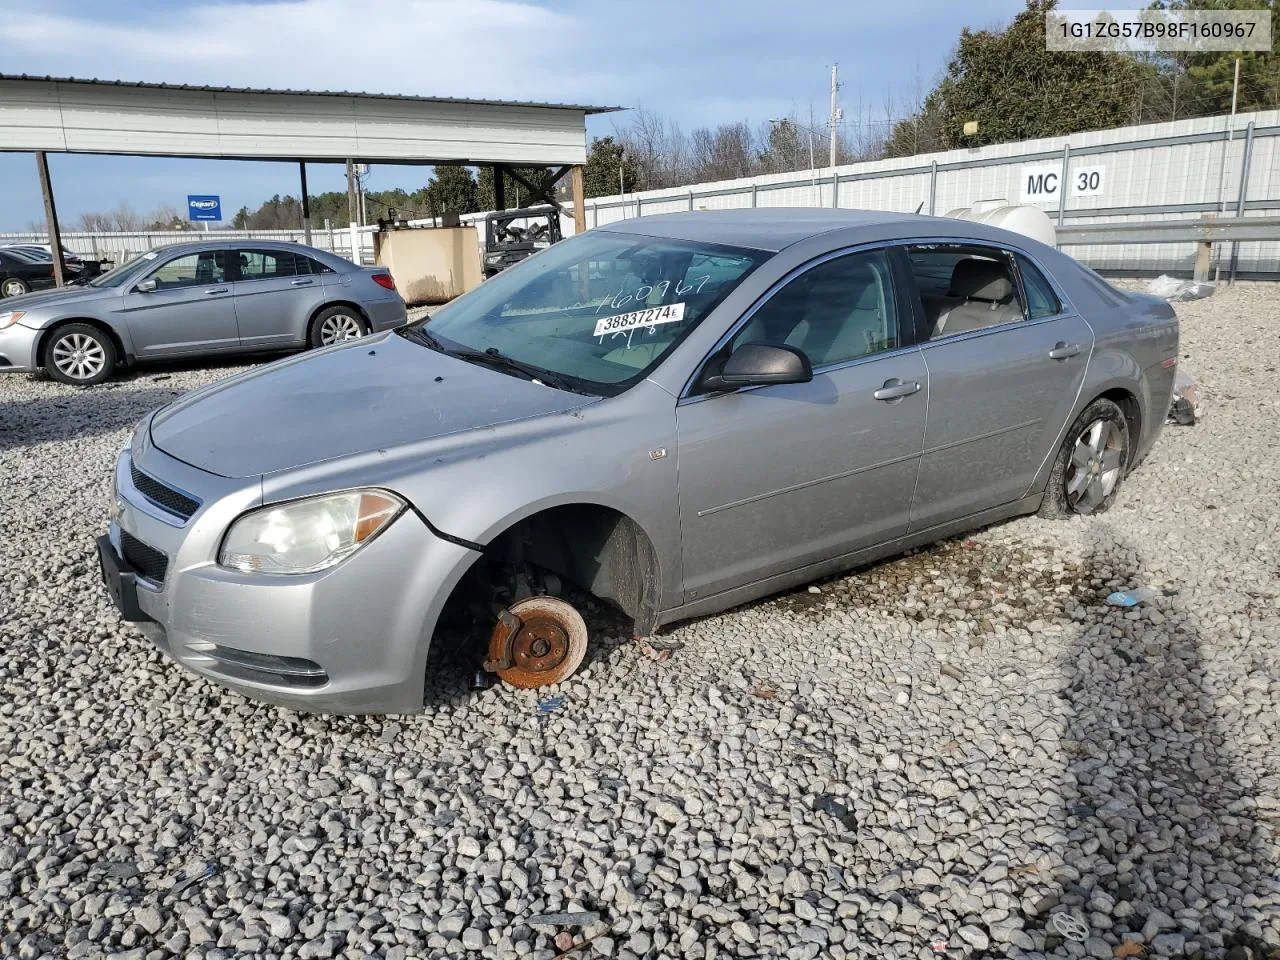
point(387, 314)
point(18, 348)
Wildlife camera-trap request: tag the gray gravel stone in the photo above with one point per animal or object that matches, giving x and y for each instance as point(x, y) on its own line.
point(1004, 743)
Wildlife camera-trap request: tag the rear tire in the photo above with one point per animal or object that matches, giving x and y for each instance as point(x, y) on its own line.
point(1090, 467)
point(336, 325)
point(13, 287)
point(79, 354)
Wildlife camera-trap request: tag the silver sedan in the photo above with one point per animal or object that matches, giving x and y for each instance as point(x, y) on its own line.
point(196, 299)
point(677, 414)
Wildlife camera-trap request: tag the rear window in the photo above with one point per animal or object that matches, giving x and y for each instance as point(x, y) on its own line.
point(1041, 300)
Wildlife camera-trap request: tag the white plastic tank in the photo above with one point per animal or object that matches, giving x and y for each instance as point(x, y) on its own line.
point(1017, 218)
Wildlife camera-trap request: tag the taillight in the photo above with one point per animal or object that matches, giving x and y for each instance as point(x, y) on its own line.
point(384, 280)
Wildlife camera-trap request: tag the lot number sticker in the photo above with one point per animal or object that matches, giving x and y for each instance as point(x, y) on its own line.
point(639, 319)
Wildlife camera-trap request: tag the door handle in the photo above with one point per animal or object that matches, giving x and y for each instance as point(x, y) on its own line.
point(302, 282)
point(210, 293)
point(1063, 350)
point(895, 389)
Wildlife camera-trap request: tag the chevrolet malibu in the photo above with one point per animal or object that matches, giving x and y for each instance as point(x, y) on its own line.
point(675, 414)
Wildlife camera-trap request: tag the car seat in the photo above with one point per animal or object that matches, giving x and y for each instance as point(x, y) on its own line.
point(984, 297)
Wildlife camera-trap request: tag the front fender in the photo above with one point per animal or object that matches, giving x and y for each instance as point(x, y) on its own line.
point(618, 453)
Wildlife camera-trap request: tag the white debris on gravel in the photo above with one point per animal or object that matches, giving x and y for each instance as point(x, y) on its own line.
point(947, 748)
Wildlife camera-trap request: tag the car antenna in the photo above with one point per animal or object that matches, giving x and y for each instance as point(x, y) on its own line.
point(921, 207)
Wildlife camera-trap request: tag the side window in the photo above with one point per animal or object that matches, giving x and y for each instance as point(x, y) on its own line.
point(266, 264)
point(840, 310)
point(964, 288)
point(308, 266)
point(1041, 300)
point(192, 270)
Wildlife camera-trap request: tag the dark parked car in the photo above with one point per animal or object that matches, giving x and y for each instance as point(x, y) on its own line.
point(21, 272)
point(77, 268)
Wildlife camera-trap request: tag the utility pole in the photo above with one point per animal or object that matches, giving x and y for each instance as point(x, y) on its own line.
point(353, 208)
point(835, 111)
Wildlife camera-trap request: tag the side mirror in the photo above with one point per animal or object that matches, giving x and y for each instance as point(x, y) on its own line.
point(146, 286)
point(757, 364)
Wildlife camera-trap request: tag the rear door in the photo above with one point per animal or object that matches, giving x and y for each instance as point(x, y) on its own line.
point(275, 294)
point(1006, 357)
point(189, 311)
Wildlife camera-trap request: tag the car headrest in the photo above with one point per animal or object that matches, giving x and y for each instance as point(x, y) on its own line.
point(976, 279)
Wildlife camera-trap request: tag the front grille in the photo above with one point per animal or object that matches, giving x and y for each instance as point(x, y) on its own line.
point(175, 501)
point(148, 561)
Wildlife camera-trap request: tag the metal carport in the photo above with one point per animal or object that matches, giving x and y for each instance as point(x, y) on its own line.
point(43, 115)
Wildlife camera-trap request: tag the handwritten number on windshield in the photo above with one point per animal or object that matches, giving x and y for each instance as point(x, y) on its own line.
point(643, 292)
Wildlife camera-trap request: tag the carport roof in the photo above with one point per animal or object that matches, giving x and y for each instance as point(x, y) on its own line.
point(76, 115)
point(208, 88)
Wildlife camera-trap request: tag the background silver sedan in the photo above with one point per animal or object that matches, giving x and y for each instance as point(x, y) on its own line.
point(678, 414)
point(194, 299)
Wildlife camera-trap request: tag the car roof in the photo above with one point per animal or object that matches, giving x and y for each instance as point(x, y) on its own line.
point(771, 228)
point(196, 246)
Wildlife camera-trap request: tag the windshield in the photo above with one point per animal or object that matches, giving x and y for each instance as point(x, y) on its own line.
point(597, 312)
point(123, 274)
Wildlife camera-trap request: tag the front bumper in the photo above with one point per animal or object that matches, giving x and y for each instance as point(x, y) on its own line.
point(350, 639)
point(18, 348)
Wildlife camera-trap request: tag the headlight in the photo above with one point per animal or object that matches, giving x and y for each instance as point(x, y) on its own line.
point(10, 318)
point(308, 535)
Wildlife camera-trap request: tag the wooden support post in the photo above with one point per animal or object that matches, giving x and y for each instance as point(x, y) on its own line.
point(579, 200)
point(51, 217)
point(306, 204)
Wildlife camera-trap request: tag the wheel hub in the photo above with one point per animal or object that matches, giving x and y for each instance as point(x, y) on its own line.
point(540, 645)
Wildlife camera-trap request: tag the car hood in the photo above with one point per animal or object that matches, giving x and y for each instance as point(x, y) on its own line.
point(54, 298)
point(371, 394)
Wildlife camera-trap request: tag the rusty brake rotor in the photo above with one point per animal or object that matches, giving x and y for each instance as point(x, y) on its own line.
point(536, 642)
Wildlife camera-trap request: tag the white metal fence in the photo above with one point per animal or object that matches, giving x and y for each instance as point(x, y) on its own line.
point(1164, 171)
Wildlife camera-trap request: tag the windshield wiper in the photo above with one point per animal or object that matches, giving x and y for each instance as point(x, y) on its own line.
point(493, 357)
point(420, 335)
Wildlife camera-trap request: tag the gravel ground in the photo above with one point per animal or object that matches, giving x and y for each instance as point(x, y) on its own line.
point(951, 748)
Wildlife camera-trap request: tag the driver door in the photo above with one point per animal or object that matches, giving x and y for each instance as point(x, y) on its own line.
point(775, 478)
point(190, 310)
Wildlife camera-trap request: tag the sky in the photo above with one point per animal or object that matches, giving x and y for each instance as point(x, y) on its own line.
point(699, 62)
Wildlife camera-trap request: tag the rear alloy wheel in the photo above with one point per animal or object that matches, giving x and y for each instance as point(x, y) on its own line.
point(13, 287)
point(1091, 464)
point(537, 641)
point(336, 325)
point(79, 354)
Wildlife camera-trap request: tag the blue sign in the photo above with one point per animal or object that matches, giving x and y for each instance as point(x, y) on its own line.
point(202, 207)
